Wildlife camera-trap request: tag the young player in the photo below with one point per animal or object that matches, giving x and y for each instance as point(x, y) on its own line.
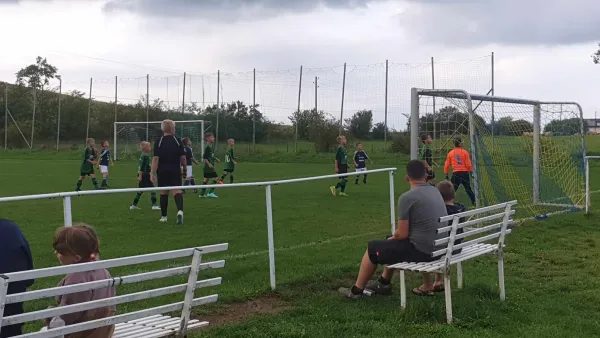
point(426, 155)
point(360, 162)
point(144, 168)
point(105, 160)
point(87, 165)
point(341, 167)
point(190, 159)
point(210, 173)
point(230, 162)
point(460, 160)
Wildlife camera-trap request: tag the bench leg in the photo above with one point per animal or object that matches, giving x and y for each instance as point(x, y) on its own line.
point(501, 275)
point(459, 275)
point(402, 290)
point(448, 296)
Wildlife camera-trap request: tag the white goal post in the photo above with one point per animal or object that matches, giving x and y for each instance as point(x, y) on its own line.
point(526, 150)
point(128, 135)
point(588, 192)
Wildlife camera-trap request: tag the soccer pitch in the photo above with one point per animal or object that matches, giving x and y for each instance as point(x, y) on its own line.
point(552, 269)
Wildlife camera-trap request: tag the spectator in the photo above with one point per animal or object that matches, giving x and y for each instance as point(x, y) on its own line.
point(75, 245)
point(15, 256)
point(418, 212)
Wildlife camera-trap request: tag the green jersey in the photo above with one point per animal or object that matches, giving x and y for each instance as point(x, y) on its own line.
point(144, 163)
point(229, 158)
point(209, 154)
point(341, 156)
point(426, 154)
point(89, 154)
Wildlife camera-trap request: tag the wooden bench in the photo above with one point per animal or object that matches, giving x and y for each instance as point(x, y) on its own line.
point(480, 226)
point(147, 323)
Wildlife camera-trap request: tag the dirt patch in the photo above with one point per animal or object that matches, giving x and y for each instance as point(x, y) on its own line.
point(238, 312)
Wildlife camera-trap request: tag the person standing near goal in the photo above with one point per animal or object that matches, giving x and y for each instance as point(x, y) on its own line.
point(167, 164)
point(426, 155)
point(189, 160)
point(460, 161)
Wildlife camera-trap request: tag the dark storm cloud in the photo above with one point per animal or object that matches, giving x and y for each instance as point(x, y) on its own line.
point(223, 9)
point(510, 22)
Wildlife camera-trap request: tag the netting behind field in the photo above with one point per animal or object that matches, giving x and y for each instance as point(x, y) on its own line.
point(504, 151)
point(130, 135)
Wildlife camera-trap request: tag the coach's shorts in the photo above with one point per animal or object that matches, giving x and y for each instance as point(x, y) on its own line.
point(358, 170)
point(386, 252)
point(145, 182)
point(104, 169)
point(210, 174)
point(190, 171)
point(86, 173)
point(169, 179)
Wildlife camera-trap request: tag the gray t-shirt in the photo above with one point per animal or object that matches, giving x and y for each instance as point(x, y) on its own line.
point(422, 206)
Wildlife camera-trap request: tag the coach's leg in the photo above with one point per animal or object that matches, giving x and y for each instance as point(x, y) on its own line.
point(455, 181)
point(466, 181)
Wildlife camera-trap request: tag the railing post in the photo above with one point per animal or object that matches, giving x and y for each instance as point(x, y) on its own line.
point(392, 204)
point(68, 217)
point(270, 237)
point(3, 292)
point(587, 184)
point(189, 293)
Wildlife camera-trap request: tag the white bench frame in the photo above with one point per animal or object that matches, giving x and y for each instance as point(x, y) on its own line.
point(470, 249)
point(148, 323)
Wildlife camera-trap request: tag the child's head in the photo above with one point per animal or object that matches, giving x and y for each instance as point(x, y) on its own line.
point(187, 142)
point(91, 143)
point(446, 188)
point(457, 142)
point(105, 144)
point(210, 138)
point(78, 243)
point(145, 147)
point(426, 139)
point(231, 142)
point(359, 146)
point(341, 140)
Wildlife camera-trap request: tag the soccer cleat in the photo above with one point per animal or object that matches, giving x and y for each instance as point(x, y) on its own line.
point(212, 195)
point(332, 189)
point(133, 207)
point(343, 194)
point(220, 182)
point(155, 207)
point(378, 288)
point(163, 219)
point(180, 217)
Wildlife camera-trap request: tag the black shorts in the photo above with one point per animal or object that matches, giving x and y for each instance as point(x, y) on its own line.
point(343, 169)
point(212, 174)
point(145, 182)
point(169, 179)
point(386, 252)
point(88, 173)
point(228, 170)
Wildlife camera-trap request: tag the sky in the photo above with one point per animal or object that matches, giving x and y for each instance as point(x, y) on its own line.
point(541, 51)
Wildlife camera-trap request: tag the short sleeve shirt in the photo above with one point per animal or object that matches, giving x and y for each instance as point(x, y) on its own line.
point(169, 150)
point(341, 156)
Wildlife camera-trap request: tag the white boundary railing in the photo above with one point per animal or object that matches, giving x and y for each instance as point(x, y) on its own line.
point(587, 181)
point(68, 218)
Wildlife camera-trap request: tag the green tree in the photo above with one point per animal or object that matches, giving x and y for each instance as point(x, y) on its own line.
point(360, 124)
point(307, 121)
point(565, 127)
point(596, 55)
point(379, 131)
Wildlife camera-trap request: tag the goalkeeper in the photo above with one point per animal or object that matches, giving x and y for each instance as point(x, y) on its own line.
point(460, 160)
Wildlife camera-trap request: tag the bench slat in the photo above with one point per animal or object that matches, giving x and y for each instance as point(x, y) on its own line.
point(471, 242)
point(477, 211)
point(474, 221)
point(471, 232)
point(467, 253)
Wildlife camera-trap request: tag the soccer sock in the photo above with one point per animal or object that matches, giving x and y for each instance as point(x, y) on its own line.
point(179, 201)
point(365, 178)
point(153, 198)
point(203, 189)
point(343, 185)
point(338, 184)
point(356, 290)
point(193, 182)
point(104, 181)
point(212, 190)
point(186, 182)
point(137, 198)
point(79, 183)
point(357, 177)
point(384, 281)
point(231, 178)
point(223, 176)
point(95, 182)
point(164, 204)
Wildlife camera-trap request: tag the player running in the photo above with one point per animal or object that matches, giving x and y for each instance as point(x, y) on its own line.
point(341, 167)
point(143, 176)
point(360, 162)
point(189, 160)
point(230, 162)
point(105, 160)
point(460, 160)
point(210, 173)
point(87, 166)
point(426, 155)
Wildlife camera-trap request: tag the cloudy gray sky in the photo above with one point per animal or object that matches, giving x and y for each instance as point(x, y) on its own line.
point(542, 49)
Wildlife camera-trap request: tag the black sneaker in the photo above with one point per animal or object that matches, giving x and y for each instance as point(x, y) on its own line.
point(347, 293)
point(377, 288)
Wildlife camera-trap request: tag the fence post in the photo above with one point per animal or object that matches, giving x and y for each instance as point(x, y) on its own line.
point(392, 203)
point(253, 109)
point(6, 116)
point(59, 106)
point(147, 103)
point(270, 238)
point(33, 117)
point(493, 93)
point(587, 184)
point(87, 129)
point(342, 105)
point(316, 94)
point(385, 107)
point(3, 292)
point(218, 109)
point(297, 116)
point(183, 96)
point(68, 217)
point(433, 101)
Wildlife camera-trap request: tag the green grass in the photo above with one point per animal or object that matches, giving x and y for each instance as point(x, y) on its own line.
point(552, 267)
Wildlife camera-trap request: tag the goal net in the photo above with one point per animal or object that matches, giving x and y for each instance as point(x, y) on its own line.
point(128, 135)
point(522, 150)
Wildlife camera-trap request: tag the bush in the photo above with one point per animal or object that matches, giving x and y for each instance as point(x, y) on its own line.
point(324, 135)
point(401, 144)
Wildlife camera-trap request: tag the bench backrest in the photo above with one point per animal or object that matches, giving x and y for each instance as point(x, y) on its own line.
point(486, 224)
point(184, 306)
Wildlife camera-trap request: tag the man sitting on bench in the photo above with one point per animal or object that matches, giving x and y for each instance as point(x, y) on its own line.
point(418, 212)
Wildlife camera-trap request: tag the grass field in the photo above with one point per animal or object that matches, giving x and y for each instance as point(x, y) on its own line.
point(552, 269)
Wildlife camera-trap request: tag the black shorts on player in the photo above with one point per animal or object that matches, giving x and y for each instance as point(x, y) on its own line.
point(169, 179)
point(212, 174)
point(145, 182)
point(343, 169)
point(82, 174)
point(385, 252)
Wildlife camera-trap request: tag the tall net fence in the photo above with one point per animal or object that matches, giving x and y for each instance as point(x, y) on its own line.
point(265, 111)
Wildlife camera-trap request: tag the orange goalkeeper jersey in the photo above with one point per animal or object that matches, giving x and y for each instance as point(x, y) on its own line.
point(460, 161)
